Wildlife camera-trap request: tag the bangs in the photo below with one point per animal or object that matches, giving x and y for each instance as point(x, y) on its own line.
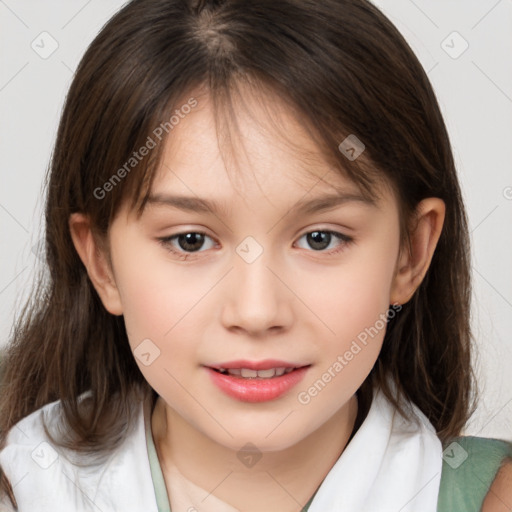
point(334, 146)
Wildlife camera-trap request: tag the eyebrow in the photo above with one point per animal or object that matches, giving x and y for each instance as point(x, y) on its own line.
point(318, 204)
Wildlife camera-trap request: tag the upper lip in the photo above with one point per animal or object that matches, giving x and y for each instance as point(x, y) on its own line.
point(266, 364)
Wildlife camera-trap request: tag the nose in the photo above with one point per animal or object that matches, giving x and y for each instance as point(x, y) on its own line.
point(257, 301)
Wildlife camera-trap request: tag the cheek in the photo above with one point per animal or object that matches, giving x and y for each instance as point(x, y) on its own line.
point(158, 309)
point(352, 301)
point(154, 292)
point(159, 302)
point(351, 296)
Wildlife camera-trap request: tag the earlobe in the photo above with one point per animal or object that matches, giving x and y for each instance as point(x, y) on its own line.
point(96, 262)
point(415, 258)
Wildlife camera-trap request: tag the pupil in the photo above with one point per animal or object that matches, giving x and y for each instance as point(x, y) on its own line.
point(191, 241)
point(319, 239)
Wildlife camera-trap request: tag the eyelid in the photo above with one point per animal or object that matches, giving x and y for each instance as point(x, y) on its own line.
point(166, 242)
point(339, 230)
point(343, 238)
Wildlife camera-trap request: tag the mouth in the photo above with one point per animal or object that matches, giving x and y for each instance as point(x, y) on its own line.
point(257, 381)
point(247, 373)
point(266, 369)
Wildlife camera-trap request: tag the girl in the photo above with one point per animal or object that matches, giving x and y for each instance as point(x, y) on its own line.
point(258, 287)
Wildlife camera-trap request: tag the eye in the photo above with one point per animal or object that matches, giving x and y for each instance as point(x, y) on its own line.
point(185, 243)
point(321, 239)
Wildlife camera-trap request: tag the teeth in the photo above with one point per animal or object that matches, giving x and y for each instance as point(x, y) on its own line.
point(266, 374)
point(246, 373)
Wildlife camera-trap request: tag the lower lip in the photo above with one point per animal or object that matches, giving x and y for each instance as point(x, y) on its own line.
point(257, 389)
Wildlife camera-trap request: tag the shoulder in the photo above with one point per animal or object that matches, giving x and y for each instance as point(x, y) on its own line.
point(33, 462)
point(470, 467)
point(28, 450)
point(30, 436)
point(31, 428)
point(39, 469)
point(499, 497)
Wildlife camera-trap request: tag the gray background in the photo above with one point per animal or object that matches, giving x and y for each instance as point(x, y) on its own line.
point(474, 88)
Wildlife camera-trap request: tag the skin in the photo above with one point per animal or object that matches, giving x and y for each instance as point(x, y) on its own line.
point(499, 497)
point(294, 303)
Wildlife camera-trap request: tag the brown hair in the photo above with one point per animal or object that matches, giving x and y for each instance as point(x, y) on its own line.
point(346, 70)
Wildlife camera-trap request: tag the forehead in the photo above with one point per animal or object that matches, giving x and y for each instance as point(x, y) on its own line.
point(256, 143)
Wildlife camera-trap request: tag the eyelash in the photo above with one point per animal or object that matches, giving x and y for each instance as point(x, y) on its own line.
point(166, 242)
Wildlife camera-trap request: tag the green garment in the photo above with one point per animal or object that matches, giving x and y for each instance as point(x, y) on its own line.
point(469, 468)
point(464, 486)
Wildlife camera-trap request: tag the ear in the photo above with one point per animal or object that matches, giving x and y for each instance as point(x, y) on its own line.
point(414, 259)
point(95, 258)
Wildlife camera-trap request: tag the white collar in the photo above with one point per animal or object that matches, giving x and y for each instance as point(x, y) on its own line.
point(45, 477)
point(389, 465)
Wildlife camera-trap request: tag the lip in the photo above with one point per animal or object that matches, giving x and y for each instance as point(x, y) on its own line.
point(256, 365)
point(257, 389)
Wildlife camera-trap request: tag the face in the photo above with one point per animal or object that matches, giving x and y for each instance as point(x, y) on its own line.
point(258, 278)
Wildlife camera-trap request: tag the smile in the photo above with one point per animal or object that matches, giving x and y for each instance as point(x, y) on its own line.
point(247, 373)
point(266, 380)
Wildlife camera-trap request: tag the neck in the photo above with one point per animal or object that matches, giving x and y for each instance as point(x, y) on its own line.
point(283, 480)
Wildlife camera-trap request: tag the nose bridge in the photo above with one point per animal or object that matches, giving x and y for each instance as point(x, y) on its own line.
point(257, 299)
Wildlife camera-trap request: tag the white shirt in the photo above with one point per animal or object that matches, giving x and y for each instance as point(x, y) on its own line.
point(45, 478)
point(389, 465)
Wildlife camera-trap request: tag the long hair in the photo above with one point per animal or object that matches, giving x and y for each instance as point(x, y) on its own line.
point(344, 69)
